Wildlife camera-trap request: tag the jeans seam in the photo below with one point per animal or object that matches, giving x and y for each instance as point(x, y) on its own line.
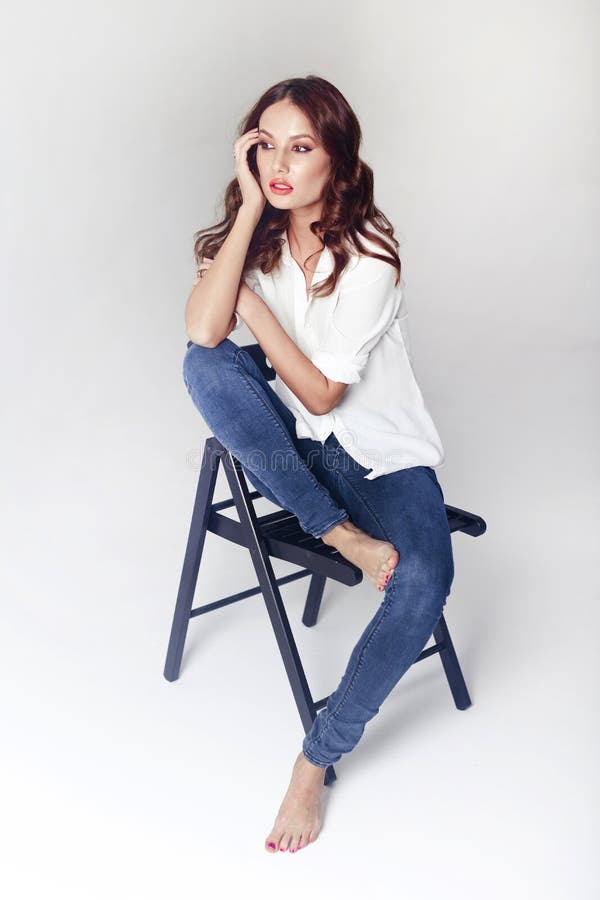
point(332, 714)
point(283, 429)
point(365, 503)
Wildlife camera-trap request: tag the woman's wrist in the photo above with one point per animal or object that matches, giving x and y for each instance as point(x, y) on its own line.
point(249, 214)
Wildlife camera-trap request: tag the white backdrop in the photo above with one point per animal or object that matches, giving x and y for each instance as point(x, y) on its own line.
point(481, 123)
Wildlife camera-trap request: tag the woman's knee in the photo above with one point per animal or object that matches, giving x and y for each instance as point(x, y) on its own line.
point(421, 584)
point(200, 362)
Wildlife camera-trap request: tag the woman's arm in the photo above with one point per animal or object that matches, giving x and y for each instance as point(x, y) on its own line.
point(209, 308)
point(318, 393)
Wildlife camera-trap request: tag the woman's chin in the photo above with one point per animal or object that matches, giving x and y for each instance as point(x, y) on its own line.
point(279, 202)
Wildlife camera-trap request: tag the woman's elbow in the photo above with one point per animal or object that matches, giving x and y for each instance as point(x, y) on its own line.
point(195, 338)
point(322, 408)
point(337, 389)
point(205, 339)
point(202, 340)
point(202, 337)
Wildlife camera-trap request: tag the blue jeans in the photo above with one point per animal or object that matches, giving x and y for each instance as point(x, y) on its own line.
point(323, 485)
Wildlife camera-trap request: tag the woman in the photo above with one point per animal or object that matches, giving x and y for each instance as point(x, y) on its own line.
point(309, 263)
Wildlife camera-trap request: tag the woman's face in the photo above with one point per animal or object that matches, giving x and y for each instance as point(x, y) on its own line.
point(283, 156)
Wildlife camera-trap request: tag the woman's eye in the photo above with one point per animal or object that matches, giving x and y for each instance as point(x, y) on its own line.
point(264, 144)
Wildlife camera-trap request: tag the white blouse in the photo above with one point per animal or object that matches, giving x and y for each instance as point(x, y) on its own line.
point(357, 335)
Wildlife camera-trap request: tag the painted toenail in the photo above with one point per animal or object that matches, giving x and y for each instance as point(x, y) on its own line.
point(271, 844)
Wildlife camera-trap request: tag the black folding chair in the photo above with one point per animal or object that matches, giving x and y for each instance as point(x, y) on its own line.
point(279, 535)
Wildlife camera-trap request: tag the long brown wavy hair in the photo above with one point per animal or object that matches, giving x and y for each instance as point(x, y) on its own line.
point(348, 204)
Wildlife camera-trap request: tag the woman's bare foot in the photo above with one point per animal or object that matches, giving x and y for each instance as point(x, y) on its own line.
point(299, 818)
point(377, 559)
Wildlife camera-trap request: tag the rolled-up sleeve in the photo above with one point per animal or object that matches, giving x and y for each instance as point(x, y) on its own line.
point(367, 304)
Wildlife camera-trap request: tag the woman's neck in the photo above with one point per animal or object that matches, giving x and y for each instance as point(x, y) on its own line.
point(301, 239)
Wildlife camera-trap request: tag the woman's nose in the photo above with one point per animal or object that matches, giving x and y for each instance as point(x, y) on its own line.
point(279, 165)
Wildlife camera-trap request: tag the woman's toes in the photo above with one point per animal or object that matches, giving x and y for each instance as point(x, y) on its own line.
point(272, 844)
point(284, 842)
point(389, 567)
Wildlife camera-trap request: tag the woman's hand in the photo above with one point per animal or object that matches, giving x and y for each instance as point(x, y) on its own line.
point(202, 268)
point(252, 194)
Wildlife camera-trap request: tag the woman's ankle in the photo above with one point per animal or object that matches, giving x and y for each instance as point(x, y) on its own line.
point(335, 533)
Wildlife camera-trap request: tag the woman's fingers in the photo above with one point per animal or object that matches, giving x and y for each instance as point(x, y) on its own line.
point(250, 188)
point(204, 265)
point(245, 140)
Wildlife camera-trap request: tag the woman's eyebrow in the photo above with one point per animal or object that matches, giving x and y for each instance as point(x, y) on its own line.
point(293, 137)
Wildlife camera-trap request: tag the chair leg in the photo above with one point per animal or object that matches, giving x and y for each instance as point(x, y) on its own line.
point(451, 665)
point(313, 600)
point(272, 596)
point(191, 563)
